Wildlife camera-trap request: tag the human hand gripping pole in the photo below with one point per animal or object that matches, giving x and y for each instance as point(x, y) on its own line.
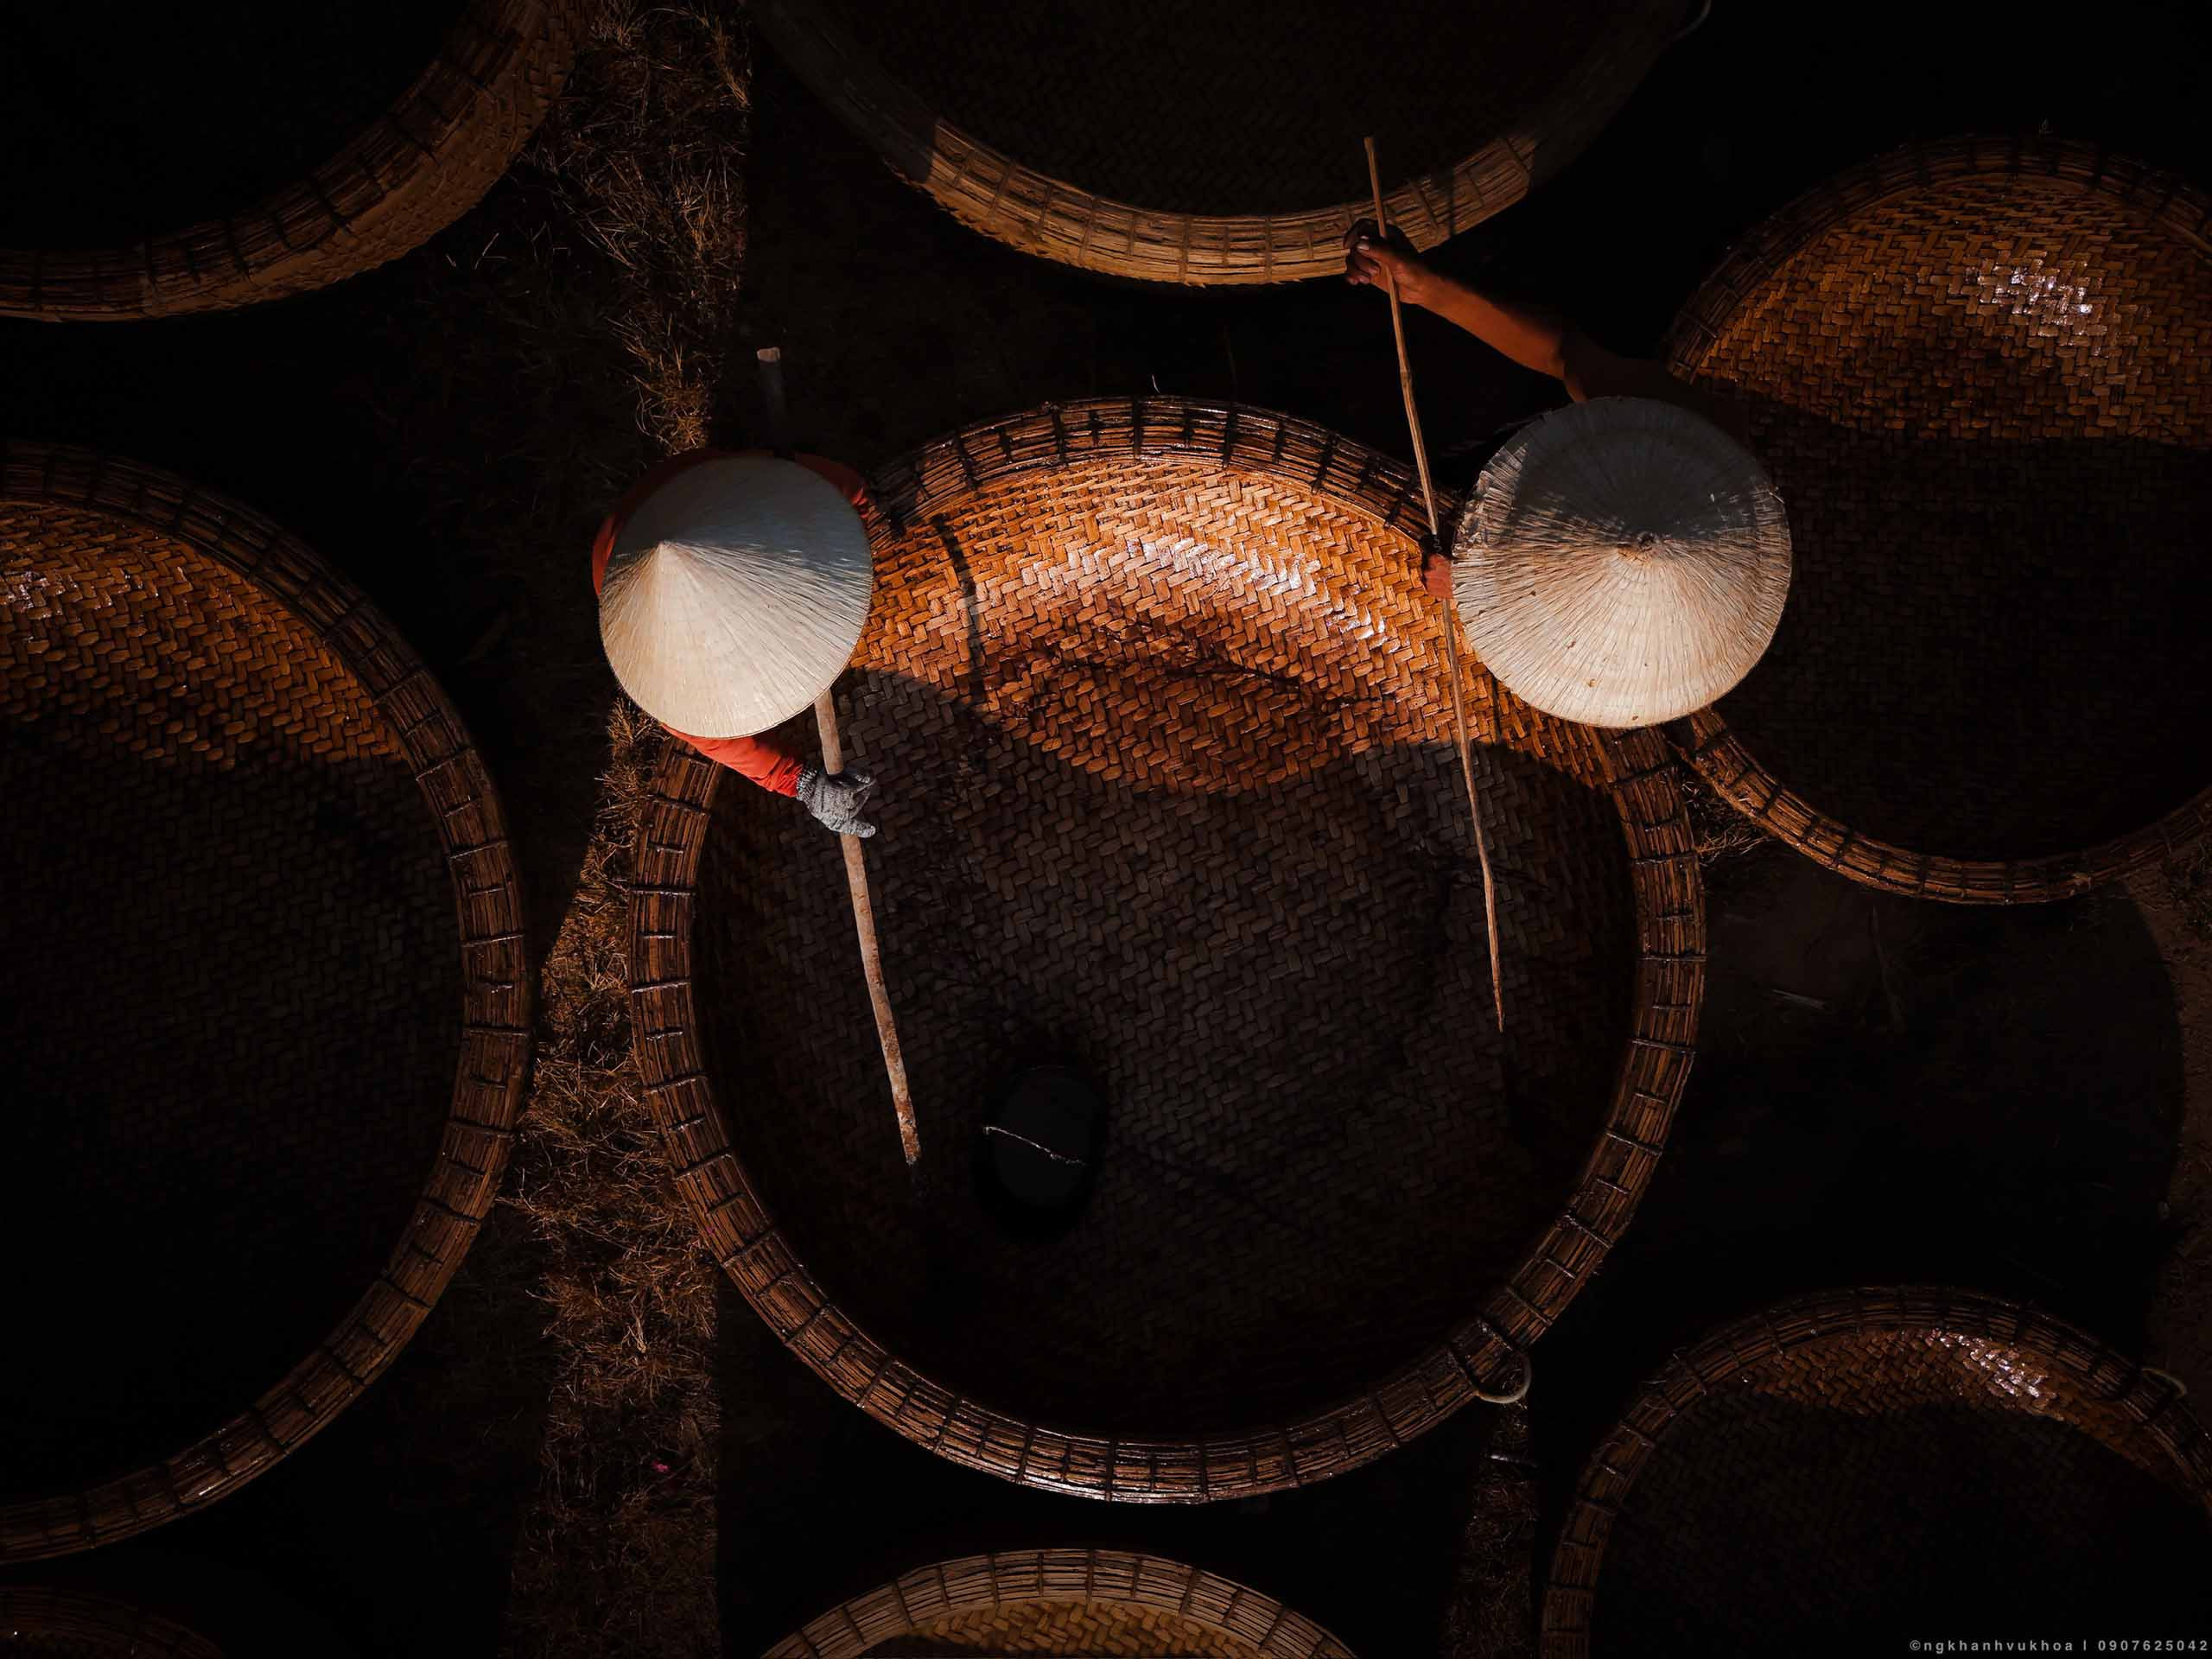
point(846, 811)
point(1450, 603)
point(836, 799)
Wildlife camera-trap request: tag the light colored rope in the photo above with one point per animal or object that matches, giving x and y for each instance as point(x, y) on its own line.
point(1528, 1376)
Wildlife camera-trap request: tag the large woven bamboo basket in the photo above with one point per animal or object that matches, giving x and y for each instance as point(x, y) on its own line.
point(1864, 1465)
point(1092, 1603)
point(1980, 373)
point(267, 1012)
point(405, 176)
point(1169, 794)
point(1218, 143)
point(36, 1623)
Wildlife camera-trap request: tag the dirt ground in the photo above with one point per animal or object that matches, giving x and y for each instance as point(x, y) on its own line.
point(593, 1447)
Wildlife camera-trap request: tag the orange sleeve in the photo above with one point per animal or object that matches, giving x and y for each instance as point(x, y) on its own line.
point(764, 760)
point(853, 486)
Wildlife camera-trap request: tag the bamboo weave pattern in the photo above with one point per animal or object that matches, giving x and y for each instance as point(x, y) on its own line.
point(1977, 371)
point(1208, 144)
point(246, 825)
point(1089, 1602)
point(1158, 704)
point(427, 161)
point(1847, 1464)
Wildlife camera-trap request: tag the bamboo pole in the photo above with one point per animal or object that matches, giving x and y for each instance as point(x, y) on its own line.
point(887, 1029)
point(1450, 601)
point(770, 359)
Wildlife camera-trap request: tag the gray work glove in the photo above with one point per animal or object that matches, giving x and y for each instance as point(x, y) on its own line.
point(837, 798)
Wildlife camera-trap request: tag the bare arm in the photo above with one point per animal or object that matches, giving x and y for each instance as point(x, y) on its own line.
point(1535, 336)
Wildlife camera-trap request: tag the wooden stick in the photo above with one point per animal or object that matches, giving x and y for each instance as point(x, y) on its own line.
point(886, 1030)
point(770, 361)
point(1450, 600)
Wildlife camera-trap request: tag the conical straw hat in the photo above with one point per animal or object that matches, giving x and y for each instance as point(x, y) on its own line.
point(1625, 562)
point(734, 596)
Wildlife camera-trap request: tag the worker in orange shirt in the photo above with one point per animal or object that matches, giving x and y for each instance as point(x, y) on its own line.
point(739, 587)
point(1535, 336)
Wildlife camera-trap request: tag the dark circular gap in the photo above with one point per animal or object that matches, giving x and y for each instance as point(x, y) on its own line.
point(1038, 1151)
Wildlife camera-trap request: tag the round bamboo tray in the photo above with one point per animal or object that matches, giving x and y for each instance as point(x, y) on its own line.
point(1218, 144)
point(1170, 796)
point(403, 177)
point(1869, 1464)
point(41, 1624)
point(255, 1070)
point(1089, 1602)
point(1977, 372)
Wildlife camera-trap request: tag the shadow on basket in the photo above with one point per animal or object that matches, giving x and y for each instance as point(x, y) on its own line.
point(1318, 1143)
point(1991, 647)
point(233, 1036)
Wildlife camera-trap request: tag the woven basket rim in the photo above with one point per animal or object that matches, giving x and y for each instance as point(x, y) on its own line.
point(1481, 1353)
point(1005, 1577)
point(463, 808)
point(42, 1610)
point(1706, 740)
point(2152, 1399)
point(994, 192)
point(403, 177)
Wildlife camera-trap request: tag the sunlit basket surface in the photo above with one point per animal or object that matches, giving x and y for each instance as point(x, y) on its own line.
point(1091, 1603)
point(1980, 374)
point(267, 1010)
point(1159, 711)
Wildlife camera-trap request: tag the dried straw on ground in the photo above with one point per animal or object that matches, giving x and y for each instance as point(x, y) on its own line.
point(590, 307)
point(617, 1552)
point(617, 1555)
point(1626, 564)
point(1492, 1611)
